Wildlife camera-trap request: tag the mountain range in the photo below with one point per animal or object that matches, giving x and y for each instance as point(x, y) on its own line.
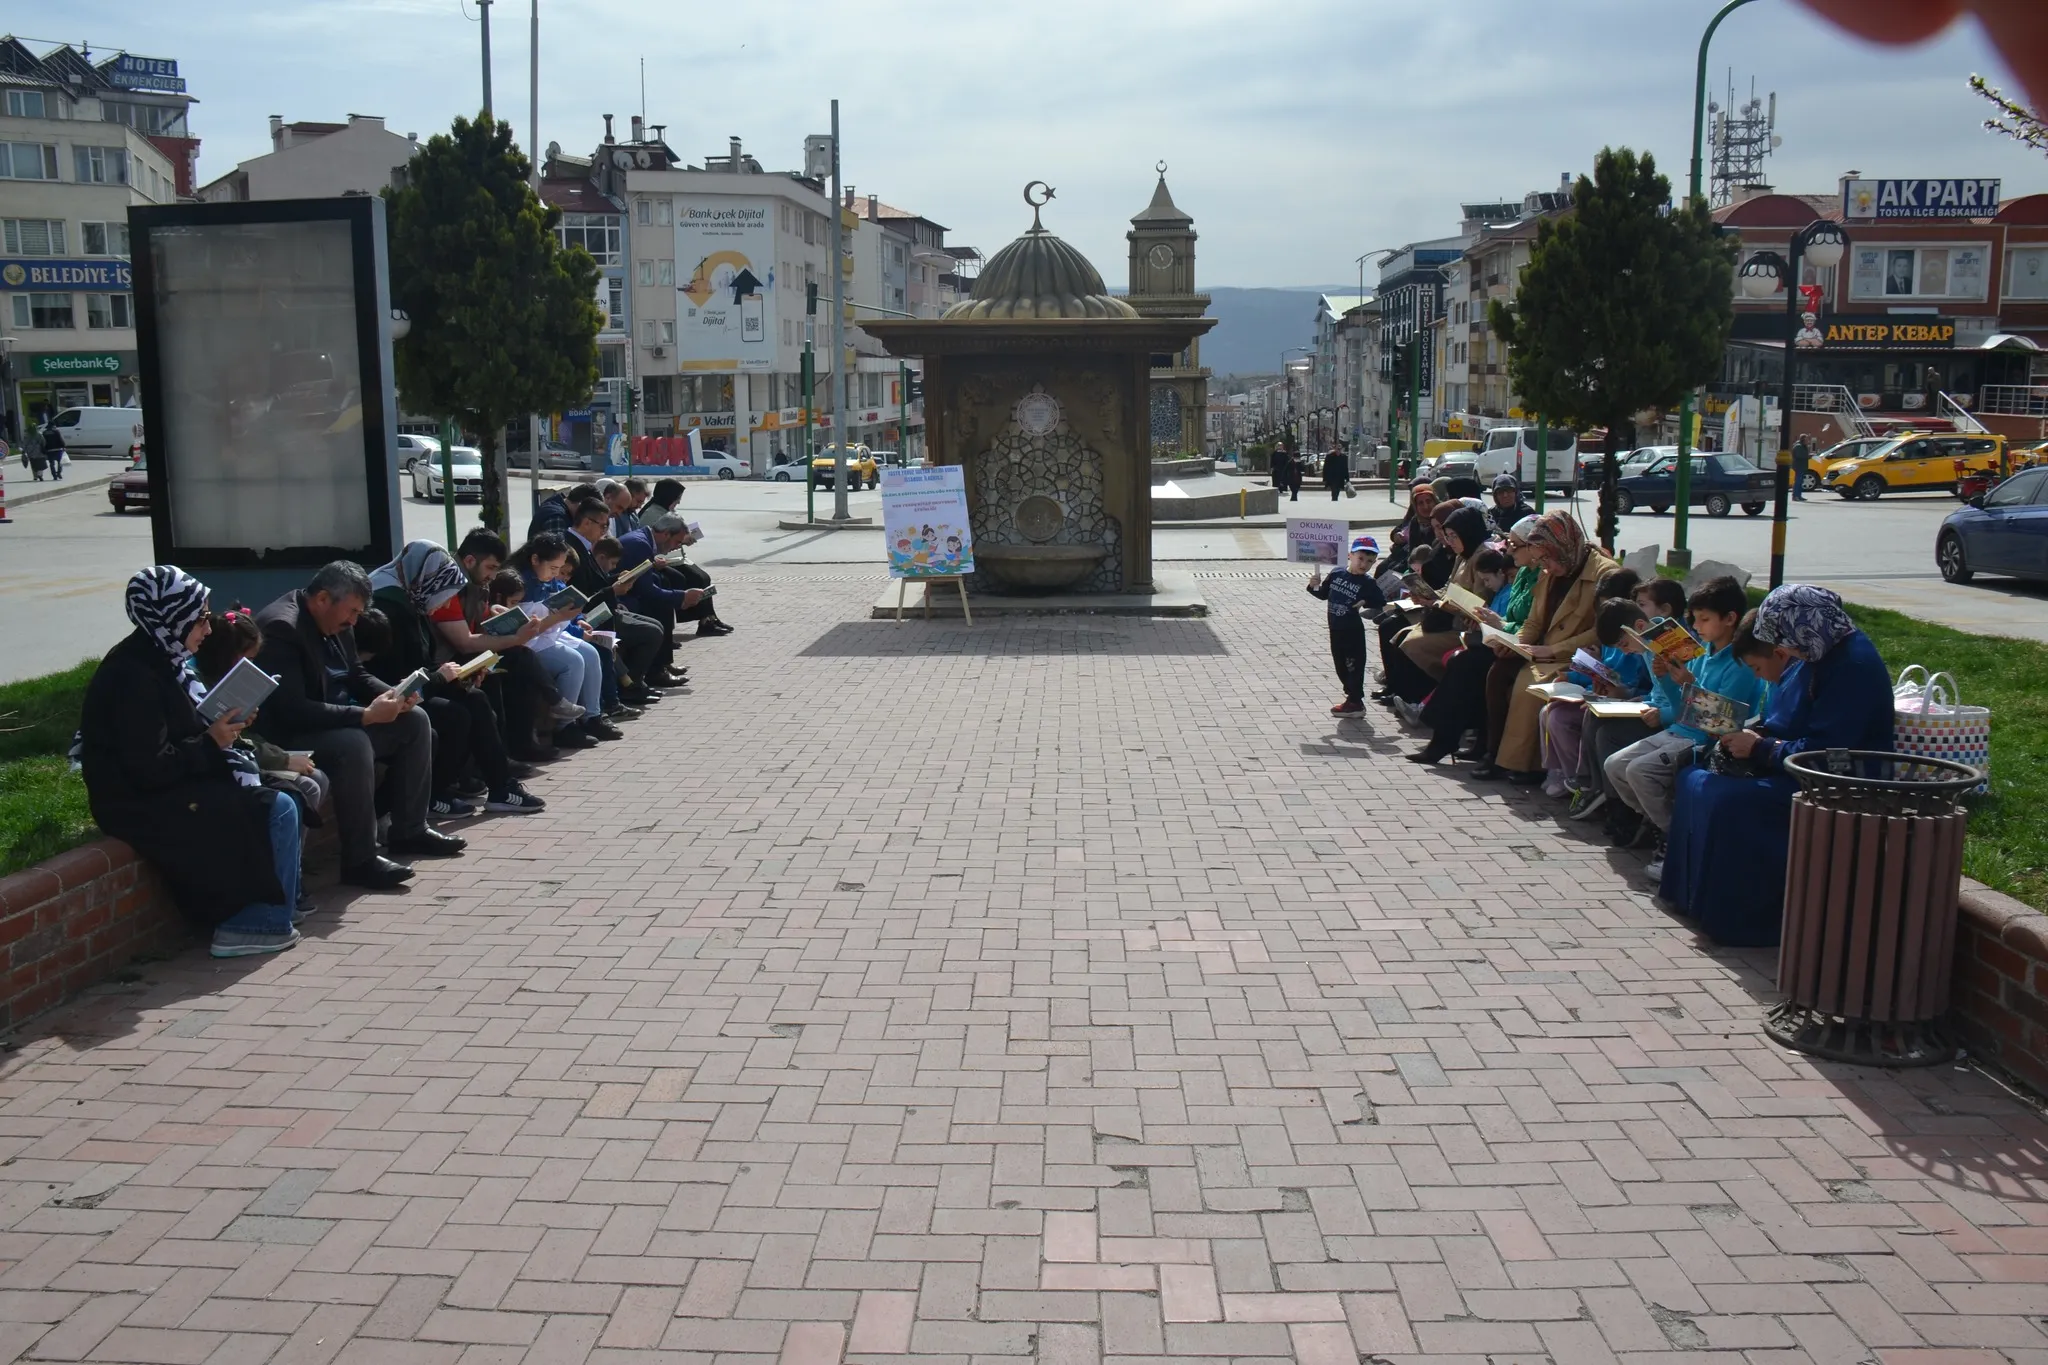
point(1253, 326)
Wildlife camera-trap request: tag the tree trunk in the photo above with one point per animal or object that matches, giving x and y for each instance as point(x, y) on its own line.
point(493, 494)
point(1610, 470)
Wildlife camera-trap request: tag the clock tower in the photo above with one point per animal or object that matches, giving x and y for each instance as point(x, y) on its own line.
point(1162, 240)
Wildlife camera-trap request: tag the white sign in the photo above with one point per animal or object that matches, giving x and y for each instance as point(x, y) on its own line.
point(1313, 541)
point(924, 522)
point(725, 285)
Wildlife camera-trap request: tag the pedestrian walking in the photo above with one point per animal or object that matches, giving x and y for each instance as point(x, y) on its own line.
point(53, 448)
point(32, 457)
point(1286, 472)
point(1800, 455)
point(1336, 473)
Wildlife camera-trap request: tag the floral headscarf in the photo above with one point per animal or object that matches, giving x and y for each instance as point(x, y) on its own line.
point(1560, 542)
point(425, 572)
point(1805, 619)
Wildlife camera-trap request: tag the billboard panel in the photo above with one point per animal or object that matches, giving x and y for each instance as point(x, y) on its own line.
point(725, 285)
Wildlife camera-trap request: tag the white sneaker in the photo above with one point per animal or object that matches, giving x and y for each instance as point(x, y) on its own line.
point(1409, 712)
point(564, 712)
point(1655, 870)
point(1555, 789)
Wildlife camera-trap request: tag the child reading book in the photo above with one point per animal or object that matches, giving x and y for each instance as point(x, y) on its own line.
point(1645, 774)
point(1616, 672)
point(1346, 592)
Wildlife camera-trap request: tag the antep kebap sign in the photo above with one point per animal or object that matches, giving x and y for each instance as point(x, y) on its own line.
point(1876, 200)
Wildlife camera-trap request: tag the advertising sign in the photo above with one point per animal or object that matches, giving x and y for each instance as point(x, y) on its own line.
point(924, 522)
point(1876, 200)
point(725, 285)
point(1313, 541)
point(68, 364)
point(1886, 332)
point(44, 273)
point(130, 72)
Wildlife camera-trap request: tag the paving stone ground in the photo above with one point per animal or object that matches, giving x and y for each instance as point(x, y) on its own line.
point(1067, 989)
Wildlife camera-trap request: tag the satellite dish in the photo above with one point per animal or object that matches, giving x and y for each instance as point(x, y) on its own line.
point(1777, 141)
point(643, 159)
point(554, 150)
point(622, 158)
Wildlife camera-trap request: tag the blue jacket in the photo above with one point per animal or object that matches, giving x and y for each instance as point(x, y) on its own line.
point(1718, 670)
point(648, 594)
point(1632, 669)
point(1346, 591)
point(1843, 700)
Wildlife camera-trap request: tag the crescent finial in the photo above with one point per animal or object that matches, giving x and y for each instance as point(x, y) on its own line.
point(1162, 170)
point(1038, 203)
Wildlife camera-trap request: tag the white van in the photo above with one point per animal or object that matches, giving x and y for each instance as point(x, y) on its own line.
point(89, 432)
point(1512, 450)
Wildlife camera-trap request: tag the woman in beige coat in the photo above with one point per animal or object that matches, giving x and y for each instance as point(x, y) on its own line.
point(1560, 621)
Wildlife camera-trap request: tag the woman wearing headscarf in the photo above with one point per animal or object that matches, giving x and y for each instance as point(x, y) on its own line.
point(174, 788)
point(1413, 529)
point(1458, 705)
point(1509, 506)
point(1414, 660)
point(467, 729)
point(1561, 619)
point(1725, 862)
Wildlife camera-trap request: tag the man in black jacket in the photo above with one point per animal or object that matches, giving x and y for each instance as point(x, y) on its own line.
point(326, 702)
point(1336, 472)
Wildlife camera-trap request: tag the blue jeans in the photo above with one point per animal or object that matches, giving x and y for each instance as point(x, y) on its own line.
point(576, 670)
point(284, 854)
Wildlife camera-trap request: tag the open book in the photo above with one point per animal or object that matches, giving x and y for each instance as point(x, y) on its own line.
point(1614, 708)
point(626, 578)
point(505, 624)
point(1463, 601)
point(1667, 639)
point(1558, 691)
point(597, 615)
point(482, 663)
point(566, 599)
point(242, 690)
point(1711, 713)
point(1494, 635)
point(1589, 663)
point(413, 683)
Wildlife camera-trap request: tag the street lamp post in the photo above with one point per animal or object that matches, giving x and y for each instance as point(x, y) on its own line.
point(1681, 557)
point(1823, 243)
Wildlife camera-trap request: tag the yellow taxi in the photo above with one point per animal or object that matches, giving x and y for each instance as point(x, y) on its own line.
point(860, 468)
point(1840, 453)
point(1916, 462)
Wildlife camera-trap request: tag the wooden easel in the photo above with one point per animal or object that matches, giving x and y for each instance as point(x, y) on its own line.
point(903, 586)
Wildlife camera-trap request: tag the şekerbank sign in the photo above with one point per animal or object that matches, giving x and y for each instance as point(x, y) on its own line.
point(38, 273)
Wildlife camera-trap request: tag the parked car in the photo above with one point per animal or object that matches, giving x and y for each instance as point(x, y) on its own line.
point(787, 469)
point(2004, 531)
point(1627, 462)
point(1719, 482)
point(468, 467)
point(90, 432)
point(555, 455)
point(1915, 463)
point(722, 463)
point(1512, 450)
point(860, 466)
point(130, 487)
point(1819, 466)
point(414, 448)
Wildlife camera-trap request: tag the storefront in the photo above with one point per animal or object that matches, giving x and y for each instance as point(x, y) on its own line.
point(1888, 363)
point(47, 382)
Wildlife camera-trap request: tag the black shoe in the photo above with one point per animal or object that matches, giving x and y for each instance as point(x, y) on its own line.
point(1489, 771)
point(597, 727)
point(1529, 779)
point(571, 738)
point(472, 787)
point(624, 712)
point(528, 755)
point(378, 874)
point(1469, 756)
point(642, 697)
point(1430, 753)
point(675, 677)
point(711, 625)
point(428, 843)
point(521, 771)
point(1383, 695)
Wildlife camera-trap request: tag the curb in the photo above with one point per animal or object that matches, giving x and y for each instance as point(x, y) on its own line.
point(45, 494)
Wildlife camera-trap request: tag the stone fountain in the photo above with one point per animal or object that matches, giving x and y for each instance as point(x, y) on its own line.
point(1039, 387)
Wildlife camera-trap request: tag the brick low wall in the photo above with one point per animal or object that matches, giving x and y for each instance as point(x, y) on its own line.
point(2000, 987)
point(75, 921)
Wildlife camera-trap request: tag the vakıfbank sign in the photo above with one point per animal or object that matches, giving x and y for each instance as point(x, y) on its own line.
point(1875, 200)
point(33, 273)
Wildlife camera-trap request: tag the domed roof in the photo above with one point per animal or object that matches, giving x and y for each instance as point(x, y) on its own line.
point(1039, 276)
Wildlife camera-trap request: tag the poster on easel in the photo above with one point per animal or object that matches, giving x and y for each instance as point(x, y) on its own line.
point(925, 527)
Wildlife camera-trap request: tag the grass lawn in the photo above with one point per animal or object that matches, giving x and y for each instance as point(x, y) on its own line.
point(42, 802)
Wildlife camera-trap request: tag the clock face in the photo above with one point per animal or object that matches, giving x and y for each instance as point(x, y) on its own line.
point(1161, 256)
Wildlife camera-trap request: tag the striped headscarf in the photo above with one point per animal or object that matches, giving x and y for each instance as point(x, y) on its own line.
point(1561, 542)
point(165, 603)
point(1805, 619)
point(425, 572)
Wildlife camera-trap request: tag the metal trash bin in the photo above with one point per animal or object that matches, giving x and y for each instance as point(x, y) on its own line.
point(1872, 878)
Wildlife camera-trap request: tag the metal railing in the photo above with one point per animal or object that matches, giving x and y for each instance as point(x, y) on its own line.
point(1945, 405)
point(1834, 400)
point(2013, 400)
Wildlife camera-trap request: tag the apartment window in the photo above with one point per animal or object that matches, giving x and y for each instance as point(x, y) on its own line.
point(665, 272)
point(34, 236)
point(615, 297)
point(647, 274)
point(43, 312)
point(27, 161)
point(659, 331)
point(109, 310)
point(100, 165)
point(810, 228)
point(596, 233)
point(785, 332)
point(27, 104)
point(658, 394)
point(145, 118)
point(643, 211)
point(102, 239)
point(661, 212)
point(782, 218)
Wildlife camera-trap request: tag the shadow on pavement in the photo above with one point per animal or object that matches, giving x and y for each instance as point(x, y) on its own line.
point(1045, 635)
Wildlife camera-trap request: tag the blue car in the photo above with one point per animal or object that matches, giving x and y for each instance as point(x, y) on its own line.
point(2004, 531)
point(1720, 482)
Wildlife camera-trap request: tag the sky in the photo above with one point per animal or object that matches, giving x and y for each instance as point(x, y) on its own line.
point(1299, 135)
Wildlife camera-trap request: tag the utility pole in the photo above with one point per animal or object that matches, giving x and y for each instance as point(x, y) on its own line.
point(533, 157)
point(839, 508)
point(810, 375)
point(485, 7)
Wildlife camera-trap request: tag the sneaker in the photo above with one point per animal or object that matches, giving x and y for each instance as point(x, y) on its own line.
point(304, 909)
point(235, 943)
point(472, 787)
point(1350, 706)
point(450, 808)
point(515, 800)
point(1409, 712)
point(1655, 870)
point(1555, 789)
point(566, 712)
point(1587, 804)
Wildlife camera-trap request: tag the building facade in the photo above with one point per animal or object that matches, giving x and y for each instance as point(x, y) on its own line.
point(318, 161)
point(74, 157)
point(1411, 297)
point(1162, 285)
point(597, 222)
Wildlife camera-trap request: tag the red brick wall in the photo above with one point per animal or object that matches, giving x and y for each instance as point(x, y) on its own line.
point(2000, 990)
point(76, 920)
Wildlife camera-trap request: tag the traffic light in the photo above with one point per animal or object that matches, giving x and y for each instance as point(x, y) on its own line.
point(915, 393)
point(811, 300)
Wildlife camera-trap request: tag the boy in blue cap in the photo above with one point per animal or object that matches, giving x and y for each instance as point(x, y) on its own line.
point(1348, 591)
